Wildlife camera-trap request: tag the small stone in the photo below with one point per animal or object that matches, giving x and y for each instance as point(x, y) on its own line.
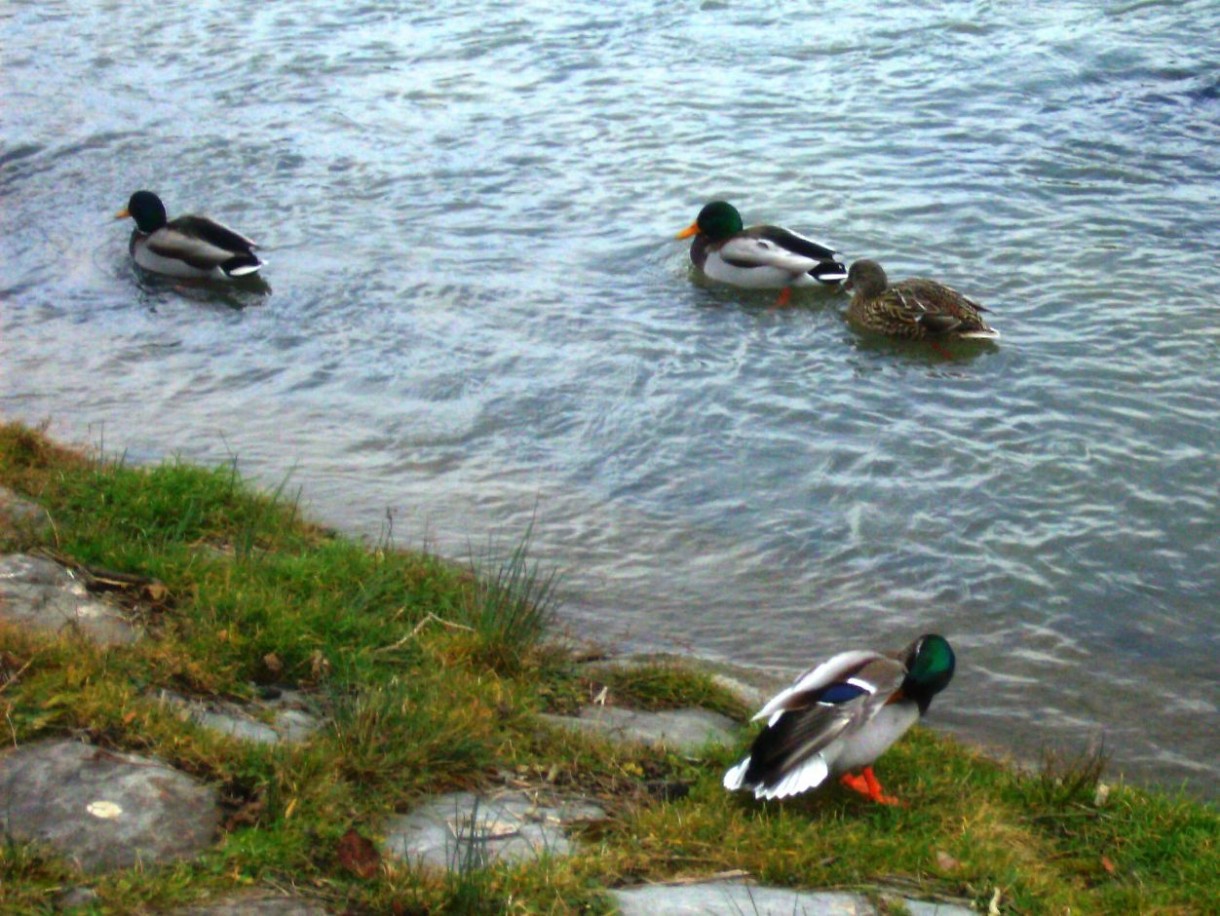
point(288, 722)
point(933, 908)
point(946, 862)
point(75, 897)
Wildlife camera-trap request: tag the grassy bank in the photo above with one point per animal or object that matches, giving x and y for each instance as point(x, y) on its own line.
point(432, 675)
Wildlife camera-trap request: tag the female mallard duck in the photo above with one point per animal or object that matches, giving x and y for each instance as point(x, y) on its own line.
point(761, 257)
point(189, 246)
point(841, 716)
point(914, 309)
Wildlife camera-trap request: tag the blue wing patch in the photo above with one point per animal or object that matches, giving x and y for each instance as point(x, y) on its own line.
point(840, 693)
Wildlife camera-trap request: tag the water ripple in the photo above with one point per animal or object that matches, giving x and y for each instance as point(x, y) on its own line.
point(479, 318)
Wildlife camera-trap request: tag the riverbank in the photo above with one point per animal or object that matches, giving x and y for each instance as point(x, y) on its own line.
point(428, 677)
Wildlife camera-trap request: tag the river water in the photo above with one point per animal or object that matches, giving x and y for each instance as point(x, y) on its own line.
point(478, 317)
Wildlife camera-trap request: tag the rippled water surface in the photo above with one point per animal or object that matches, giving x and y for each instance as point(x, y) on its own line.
point(478, 314)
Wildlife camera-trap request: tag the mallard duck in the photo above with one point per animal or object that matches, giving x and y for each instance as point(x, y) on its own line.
point(761, 257)
point(841, 716)
point(189, 246)
point(914, 309)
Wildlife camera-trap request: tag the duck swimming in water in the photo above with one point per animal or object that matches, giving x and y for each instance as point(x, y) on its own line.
point(189, 247)
point(761, 257)
point(915, 309)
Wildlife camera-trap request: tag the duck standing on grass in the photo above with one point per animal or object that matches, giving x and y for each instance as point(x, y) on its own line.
point(841, 716)
point(761, 257)
point(189, 247)
point(916, 309)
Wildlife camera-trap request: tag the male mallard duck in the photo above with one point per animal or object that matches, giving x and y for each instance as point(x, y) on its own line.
point(761, 257)
point(915, 308)
point(840, 716)
point(189, 246)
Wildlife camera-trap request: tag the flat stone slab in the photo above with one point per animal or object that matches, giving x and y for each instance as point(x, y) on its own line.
point(712, 898)
point(40, 594)
point(289, 719)
point(684, 730)
point(256, 903)
point(462, 830)
point(102, 809)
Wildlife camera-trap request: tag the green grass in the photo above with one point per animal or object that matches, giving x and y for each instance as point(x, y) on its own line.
point(431, 674)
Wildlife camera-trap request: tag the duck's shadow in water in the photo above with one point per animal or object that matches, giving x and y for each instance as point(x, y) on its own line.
point(933, 353)
point(236, 294)
point(720, 295)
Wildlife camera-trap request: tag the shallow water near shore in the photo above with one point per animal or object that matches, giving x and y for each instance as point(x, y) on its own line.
point(477, 319)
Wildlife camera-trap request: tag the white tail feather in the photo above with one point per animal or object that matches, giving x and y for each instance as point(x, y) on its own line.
point(246, 270)
point(811, 773)
point(733, 778)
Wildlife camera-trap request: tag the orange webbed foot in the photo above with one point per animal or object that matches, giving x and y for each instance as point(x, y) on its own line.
point(785, 296)
point(867, 785)
point(855, 783)
point(874, 788)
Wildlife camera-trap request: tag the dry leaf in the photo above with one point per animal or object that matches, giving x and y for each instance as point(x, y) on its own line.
point(245, 816)
point(946, 862)
point(273, 663)
point(1108, 865)
point(319, 667)
point(358, 854)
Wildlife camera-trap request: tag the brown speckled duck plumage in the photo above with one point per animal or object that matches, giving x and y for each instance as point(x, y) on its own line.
point(914, 309)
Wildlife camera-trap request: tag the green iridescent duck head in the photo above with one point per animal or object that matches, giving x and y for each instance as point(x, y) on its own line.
point(930, 664)
point(718, 220)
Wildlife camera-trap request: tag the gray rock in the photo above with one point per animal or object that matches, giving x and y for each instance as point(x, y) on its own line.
point(40, 594)
point(289, 720)
point(75, 897)
point(257, 903)
point(752, 686)
point(927, 908)
point(716, 898)
point(684, 730)
point(19, 515)
point(102, 809)
point(735, 897)
point(752, 695)
point(462, 831)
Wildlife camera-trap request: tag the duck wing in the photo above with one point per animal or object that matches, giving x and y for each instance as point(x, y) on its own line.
point(838, 697)
point(746, 251)
point(940, 309)
point(203, 243)
point(213, 232)
point(794, 242)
